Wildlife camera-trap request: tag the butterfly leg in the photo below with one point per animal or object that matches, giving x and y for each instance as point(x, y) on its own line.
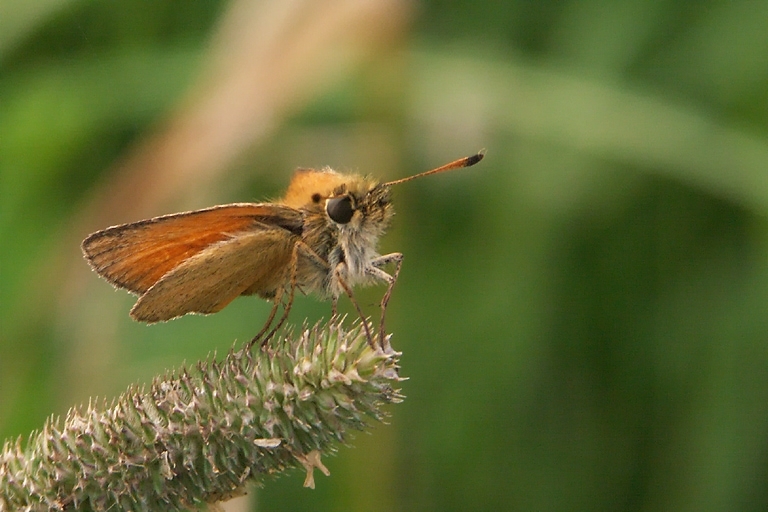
point(348, 291)
point(307, 252)
point(277, 301)
point(375, 271)
point(291, 293)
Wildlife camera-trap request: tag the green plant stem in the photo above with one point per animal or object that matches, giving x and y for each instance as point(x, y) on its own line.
point(200, 435)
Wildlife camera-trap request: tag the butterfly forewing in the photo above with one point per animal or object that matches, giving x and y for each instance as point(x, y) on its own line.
point(136, 256)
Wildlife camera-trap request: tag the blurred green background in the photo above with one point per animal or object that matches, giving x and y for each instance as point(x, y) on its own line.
point(582, 315)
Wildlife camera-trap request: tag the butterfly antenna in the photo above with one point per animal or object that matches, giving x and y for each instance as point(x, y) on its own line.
point(467, 161)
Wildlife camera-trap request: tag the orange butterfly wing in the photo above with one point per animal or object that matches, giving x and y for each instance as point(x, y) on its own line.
point(208, 281)
point(136, 256)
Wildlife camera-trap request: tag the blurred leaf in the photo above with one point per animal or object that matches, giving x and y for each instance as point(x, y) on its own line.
point(18, 17)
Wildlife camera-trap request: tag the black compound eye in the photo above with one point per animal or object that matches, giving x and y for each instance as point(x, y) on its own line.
point(340, 209)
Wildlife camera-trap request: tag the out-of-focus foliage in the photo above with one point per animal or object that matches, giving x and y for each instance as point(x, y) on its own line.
point(582, 316)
